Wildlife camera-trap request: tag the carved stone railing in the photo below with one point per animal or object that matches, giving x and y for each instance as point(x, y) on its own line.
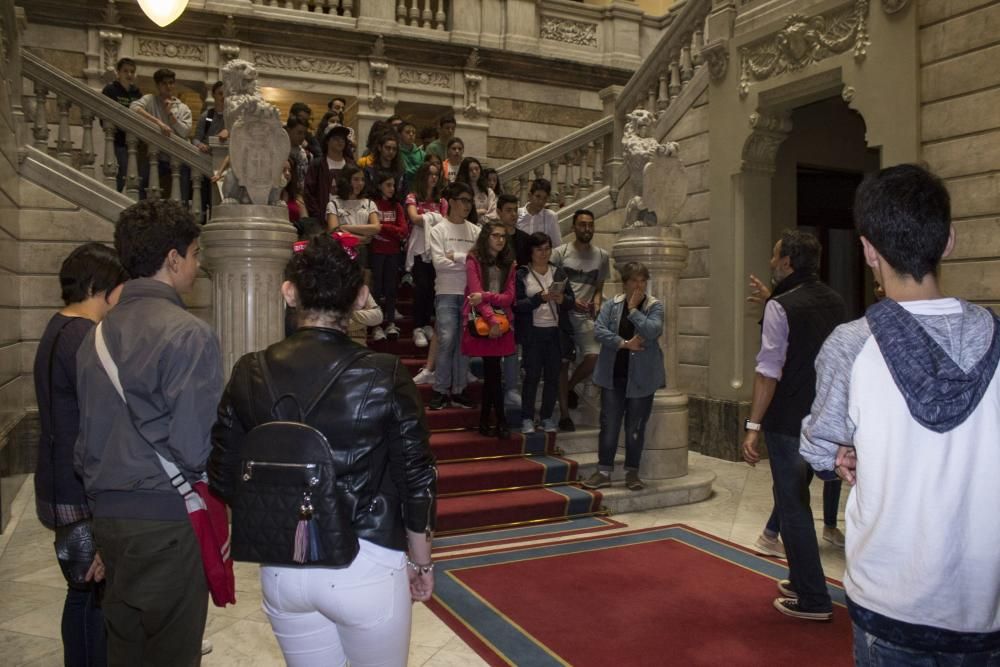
point(49, 82)
point(573, 164)
point(345, 8)
point(430, 14)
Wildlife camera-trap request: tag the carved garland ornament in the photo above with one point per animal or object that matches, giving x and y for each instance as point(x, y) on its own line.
point(422, 78)
point(303, 64)
point(761, 147)
point(155, 48)
point(569, 31)
point(804, 41)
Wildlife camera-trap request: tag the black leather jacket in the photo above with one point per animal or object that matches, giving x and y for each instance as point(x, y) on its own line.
point(372, 416)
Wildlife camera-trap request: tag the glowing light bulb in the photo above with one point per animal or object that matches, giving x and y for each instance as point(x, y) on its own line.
point(163, 12)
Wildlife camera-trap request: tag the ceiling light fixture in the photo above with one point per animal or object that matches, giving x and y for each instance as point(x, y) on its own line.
point(163, 12)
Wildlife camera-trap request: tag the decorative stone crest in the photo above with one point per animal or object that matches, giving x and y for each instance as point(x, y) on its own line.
point(424, 78)
point(847, 94)
point(258, 144)
point(473, 82)
point(111, 41)
point(716, 56)
point(229, 51)
point(378, 67)
point(804, 41)
point(282, 61)
point(893, 6)
point(761, 147)
point(157, 48)
point(568, 31)
point(659, 173)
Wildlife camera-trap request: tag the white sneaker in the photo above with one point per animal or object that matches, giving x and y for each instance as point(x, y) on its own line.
point(424, 377)
point(527, 426)
point(429, 331)
point(392, 331)
point(378, 334)
point(419, 338)
point(512, 398)
point(550, 426)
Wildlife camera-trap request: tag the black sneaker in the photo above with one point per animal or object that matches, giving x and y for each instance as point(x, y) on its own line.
point(566, 424)
point(573, 399)
point(462, 400)
point(438, 401)
point(786, 590)
point(790, 607)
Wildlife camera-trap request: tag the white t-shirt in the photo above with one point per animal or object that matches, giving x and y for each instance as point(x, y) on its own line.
point(459, 239)
point(352, 212)
point(545, 314)
point(543, 221)
point(334, 165)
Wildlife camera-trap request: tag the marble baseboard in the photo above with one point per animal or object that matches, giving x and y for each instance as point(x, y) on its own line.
point(18, 451)
point(715, 426)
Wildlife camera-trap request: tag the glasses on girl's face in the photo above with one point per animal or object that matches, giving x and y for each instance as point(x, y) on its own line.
point(465, 200)
point(499, 236)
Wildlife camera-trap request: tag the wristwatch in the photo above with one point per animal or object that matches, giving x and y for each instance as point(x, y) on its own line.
point(750, 426)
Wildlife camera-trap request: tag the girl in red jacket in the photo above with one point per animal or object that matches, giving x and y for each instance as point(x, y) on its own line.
point(489, 292)
point(385, 252)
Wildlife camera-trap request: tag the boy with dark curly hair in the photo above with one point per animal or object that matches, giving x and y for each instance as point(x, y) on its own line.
point(169, 367)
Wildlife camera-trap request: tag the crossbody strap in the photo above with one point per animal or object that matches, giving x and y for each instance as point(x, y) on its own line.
point(177, 479)
point(542, 288)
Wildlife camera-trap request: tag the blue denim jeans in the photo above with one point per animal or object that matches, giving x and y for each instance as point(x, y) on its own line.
point(84, 641)
point(634, 412)
point(831, 506)
point(871, 651)
point(790, 475)
point(452, 366)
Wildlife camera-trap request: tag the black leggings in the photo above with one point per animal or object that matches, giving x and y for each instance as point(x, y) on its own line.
point(423, 292)
point(492, 390)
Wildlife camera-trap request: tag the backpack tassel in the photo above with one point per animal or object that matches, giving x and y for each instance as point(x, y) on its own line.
point(315, 554)
point(306, 534)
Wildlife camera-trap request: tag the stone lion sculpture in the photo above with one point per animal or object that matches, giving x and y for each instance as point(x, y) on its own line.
point(655, 167)
point(258, 145)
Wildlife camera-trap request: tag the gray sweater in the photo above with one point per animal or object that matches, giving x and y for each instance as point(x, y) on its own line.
point(170, 368)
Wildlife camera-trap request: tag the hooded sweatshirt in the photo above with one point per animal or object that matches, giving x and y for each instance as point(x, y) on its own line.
point(913, 387)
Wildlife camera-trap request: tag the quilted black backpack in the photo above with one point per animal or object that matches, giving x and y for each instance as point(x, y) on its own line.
point(285, 510)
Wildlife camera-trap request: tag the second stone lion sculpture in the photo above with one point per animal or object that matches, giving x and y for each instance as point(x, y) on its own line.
point(661, 181)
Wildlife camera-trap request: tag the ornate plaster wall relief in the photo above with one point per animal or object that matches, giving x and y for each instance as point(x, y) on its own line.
point(416, 77)
point(761, 147)
point(716, 56)
point(804, 41)
point(378, 67)
point(288, 62)
point(893, 6)
point(111, 41)
point(473, 80)
point(568, 31)
point(157, 48)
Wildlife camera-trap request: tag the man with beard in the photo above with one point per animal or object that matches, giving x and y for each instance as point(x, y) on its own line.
point(587, 268)
point(800, 313)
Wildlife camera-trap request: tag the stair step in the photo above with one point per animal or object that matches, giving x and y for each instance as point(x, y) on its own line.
point(477, 512)
point(494, 475)
point(464, 445)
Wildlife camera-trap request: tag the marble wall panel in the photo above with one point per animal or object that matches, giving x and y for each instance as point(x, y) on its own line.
point(964, 155)
point(10, 326)
point(699, 264)
point(76, 225)
point(972, 280)
point(35, 196)
point(502, 148)
point(715, 426)
point(932, 11)
point(975, 196)
point(974, 71)
point(544, 93)
point(70, 62)
point(695, 233)
point(693, 320)
point(962, 33)
point(40, 291)
point(693, 350)
point(696, 207)
point(692, 123)
point(975, 237)
point(540, 112)
point(698, 176)
point(43, 256)
point(34, 321)
point(694, 150)
point(975, 112)
point(10, 362)
point(693, 291)
point(10, 294)
point(525, 130)
point(692, 379)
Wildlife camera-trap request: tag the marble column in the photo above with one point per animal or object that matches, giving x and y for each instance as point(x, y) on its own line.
point(245, 249)
point(662, 250)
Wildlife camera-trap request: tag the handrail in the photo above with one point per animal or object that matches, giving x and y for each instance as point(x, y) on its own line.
point(688, 14)
point(56, 81)
point(540, 157)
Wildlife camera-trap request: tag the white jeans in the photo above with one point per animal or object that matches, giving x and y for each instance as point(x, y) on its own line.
point(329, 616)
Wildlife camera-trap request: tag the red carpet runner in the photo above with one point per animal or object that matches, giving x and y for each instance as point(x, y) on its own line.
point(487, 482)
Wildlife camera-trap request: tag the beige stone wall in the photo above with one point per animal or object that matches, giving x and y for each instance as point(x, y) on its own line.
point(691, 132)
point(960, 135)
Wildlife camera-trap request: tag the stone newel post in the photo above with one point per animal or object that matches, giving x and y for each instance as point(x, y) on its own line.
point(246, 248)
point(664, 253)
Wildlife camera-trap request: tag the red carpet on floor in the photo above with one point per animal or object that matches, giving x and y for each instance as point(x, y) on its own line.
point(664, 596)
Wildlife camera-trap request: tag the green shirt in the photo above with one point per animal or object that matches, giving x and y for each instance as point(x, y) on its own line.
point(436, 148)
point(413, 157)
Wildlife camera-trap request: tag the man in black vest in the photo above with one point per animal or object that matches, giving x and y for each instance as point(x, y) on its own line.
point(798, 316)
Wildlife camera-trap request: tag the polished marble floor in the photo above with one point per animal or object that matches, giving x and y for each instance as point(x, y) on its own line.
point(32, 588)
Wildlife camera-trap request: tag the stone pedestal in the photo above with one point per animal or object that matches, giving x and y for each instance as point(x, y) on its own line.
point(665, 254)
point(245, 249)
